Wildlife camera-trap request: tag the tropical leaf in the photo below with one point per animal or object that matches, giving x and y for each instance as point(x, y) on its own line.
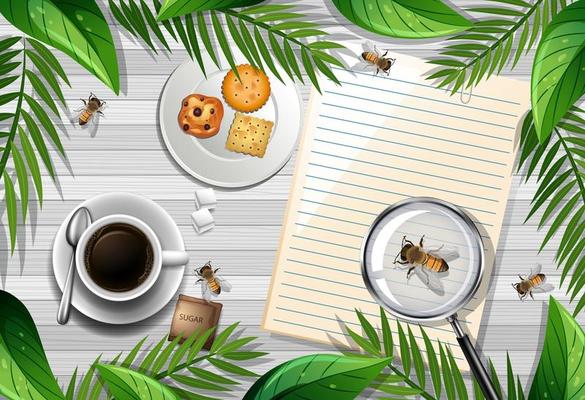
point(403, 18)
point(177, 8)
point(558, 167)
point(558, 79)
point(125, 383)
point(502, 33)
point(80, 32)
point(176, 364)
point(30, 375)
point(266, 35)
point(561, 370)
point(322, 376)
point(16, 148)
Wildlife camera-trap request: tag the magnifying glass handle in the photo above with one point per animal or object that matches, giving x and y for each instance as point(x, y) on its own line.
point(477, 368)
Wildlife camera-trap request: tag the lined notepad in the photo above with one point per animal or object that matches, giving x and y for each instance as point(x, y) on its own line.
point(371, 142)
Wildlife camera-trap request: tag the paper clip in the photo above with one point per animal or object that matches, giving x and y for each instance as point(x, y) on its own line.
point(468, 98)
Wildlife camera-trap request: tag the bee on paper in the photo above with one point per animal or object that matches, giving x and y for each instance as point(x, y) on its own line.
point(534, 282)
point(426, 263)
point(211, 283)
point(373, 58)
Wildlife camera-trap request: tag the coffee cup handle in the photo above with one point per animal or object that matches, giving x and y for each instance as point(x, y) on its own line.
point(172, 258)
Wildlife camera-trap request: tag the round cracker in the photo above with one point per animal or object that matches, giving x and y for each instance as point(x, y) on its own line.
point(250, 92)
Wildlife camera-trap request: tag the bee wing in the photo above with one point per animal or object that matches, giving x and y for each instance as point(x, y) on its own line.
point(205, 291)
point(368, 45)
point(447, 253)
point(543, 288)
point(431, 280)
point(225, 285)
point(535, 270)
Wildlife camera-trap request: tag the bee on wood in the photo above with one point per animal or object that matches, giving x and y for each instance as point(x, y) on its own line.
point(535, 282)
point(427, 263)
point(374, 58)
point(91, 107)
point(212, 284)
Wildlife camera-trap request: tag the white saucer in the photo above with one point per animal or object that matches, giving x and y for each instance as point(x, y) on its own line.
point(165, 287)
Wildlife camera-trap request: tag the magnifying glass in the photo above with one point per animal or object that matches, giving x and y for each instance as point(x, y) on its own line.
point(423, 260)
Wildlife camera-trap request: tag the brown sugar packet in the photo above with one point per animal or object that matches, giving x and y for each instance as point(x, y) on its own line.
point(249, 135)
point(194, 314)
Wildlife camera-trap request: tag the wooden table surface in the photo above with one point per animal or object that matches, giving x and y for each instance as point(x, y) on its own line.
point(127, 154)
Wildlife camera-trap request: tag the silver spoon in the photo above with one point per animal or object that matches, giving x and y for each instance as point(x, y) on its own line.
point(78, 223)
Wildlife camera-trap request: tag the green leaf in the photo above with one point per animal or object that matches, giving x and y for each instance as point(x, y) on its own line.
point(447, 376)
point(196, 51)
point(86, 381)
point(41, 90)
point(433, 364)
point(124, 383)
point(403, 18)
point(231, 368)
point(561, 369)
point(247, 37)
point(223, 337)
point(199, 343)
point(511, 383)
point(198, 383)
point(211, 376)
point(132, 354)
point(134, 15)
point(495, 379)
point(153, 24)
point(386, 334)
point(363, 343)
point(120, 17)
point(306, 59)
point(46, 122)
point(21, 346)
point(176, 8)
point(47, 73)
point(22, 175)
point(164, 356)
point(37, 139)
point(205, 38)
point(457, 377)
point(9, 42)
point(71, 386)
point(417, 359)
point(181, 351)
point(223, 42)
point(80, 32)
point(151, 356)
point(369, 330)
point(557, 77)
point(398, 390)
point(49, 58)
point(235, 344)
point(243, 355)
point(319, 376)
point(11, 206)
point(404, 351)
point(33, 165)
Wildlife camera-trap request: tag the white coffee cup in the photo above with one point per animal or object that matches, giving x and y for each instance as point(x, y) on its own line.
point(161, 258)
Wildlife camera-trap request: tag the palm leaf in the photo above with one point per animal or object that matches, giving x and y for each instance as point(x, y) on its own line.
point(263, 34)
point(21, 153)
point(499, 37)
point(560, 194)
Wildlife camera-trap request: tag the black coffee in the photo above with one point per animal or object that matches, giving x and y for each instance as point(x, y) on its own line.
point(118, 257)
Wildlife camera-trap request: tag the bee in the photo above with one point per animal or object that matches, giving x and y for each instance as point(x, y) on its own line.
point(535, 282)
point(91, 107)
point(427, 263)
point(373, 58)
point(212, 284)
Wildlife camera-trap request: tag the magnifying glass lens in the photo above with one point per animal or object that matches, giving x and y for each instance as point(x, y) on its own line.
point(422, 260)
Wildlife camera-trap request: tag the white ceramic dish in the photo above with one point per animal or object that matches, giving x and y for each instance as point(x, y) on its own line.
point(160, 293)
point(207, 159)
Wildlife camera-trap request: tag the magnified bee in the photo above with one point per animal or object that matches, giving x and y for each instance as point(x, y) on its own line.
point(374, 58)
point(91, 108)
point(427, 263)
point(535, 282)
point(212, 284)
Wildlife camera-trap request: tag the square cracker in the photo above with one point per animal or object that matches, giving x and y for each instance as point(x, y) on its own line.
point(249, 135)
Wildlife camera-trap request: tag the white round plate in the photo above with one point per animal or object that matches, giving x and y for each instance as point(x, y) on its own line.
point(207, 159)
point(165, 287)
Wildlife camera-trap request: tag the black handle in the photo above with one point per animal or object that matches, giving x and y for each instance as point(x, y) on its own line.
point(477, 368)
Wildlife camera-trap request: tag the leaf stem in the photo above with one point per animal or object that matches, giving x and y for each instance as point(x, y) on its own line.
point(423, 392)
point(16, 117)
